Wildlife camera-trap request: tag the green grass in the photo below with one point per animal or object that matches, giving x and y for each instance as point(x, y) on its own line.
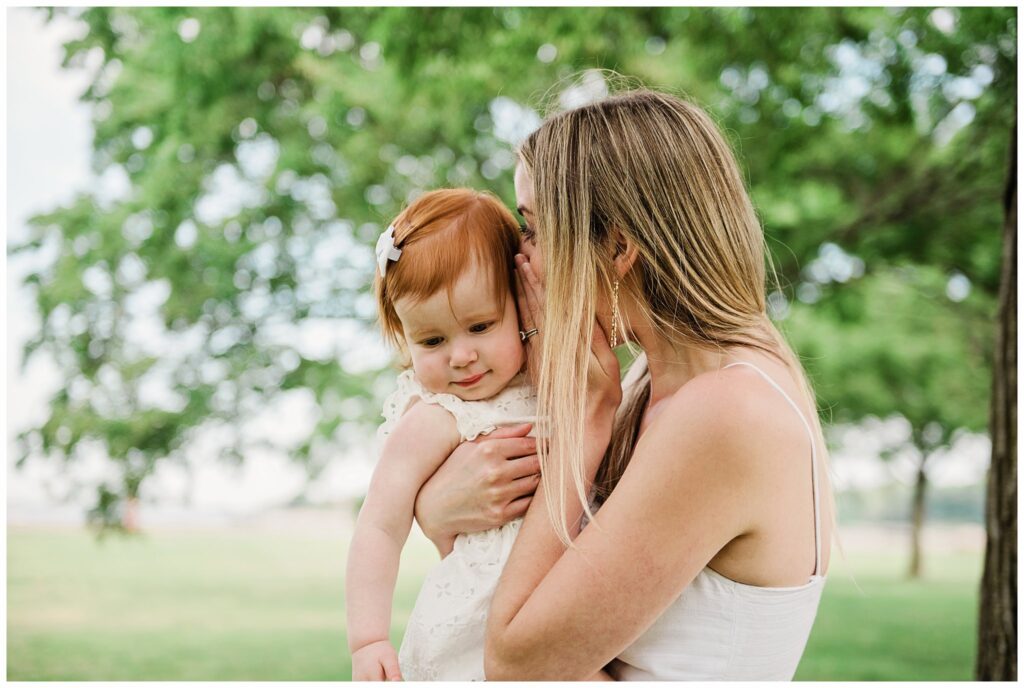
point(241, 605)
point(174, 606)
point(874, 624)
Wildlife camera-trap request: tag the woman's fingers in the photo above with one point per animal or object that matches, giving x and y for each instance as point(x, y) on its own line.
point(533, 293)
point(530, 295)
point(506, 431)
point(525, 307)
point(509, 448)
point(471, 489)
point(523, 466)
point(532, 282)
point(532, 286)
point(517, 507)
point(523, 487)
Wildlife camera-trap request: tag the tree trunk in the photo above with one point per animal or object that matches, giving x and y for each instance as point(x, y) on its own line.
point(130, 515)
point(997, 622)
point(917, 520)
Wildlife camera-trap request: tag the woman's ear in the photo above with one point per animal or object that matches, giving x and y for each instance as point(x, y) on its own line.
point(625, 253)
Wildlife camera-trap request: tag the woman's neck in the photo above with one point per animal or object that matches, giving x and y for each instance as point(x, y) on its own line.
point(672, 365)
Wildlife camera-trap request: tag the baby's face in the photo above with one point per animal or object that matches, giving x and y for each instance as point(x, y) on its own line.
point(469, 346)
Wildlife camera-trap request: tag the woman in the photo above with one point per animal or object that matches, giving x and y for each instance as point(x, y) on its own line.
point(707, 557)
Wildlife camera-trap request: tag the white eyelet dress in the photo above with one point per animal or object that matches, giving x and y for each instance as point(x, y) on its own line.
point(444, 637)
point(722, 630)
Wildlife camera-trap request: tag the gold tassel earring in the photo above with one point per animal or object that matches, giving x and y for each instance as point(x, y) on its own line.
point(615, 315)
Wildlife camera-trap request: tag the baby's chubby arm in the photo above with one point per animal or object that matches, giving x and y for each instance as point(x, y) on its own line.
point(421, 440)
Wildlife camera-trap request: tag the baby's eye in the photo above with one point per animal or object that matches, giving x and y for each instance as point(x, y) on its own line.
point(525, 230)
point(431, 342)
point(480, 327)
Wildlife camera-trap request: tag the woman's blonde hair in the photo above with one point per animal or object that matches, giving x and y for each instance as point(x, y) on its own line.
point(657, 169)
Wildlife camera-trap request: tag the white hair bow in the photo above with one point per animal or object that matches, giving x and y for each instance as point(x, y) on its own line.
point(386, 249)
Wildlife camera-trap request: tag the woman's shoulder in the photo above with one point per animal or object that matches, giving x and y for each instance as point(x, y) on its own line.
point(735, 408)
point(721, 396)
point(715, 444)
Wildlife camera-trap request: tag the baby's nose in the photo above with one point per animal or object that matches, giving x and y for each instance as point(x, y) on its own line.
point(462, 356)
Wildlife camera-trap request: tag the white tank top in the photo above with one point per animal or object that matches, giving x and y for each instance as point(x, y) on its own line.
point(722, 630)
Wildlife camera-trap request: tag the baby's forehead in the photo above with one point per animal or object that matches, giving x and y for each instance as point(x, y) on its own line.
point(462, 302)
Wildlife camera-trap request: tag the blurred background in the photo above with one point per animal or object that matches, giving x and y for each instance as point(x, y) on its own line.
point(194, 374)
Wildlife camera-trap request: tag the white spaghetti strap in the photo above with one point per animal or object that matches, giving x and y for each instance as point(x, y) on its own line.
point(814, 459)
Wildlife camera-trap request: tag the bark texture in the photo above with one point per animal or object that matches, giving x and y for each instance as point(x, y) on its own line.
point(997, 623)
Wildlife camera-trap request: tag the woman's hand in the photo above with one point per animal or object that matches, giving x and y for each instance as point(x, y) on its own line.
point(603, 386)
point(604, 389)
point(483, 484)
point(530, 297)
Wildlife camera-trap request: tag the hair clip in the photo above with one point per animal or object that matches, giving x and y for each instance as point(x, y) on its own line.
point(386, 249)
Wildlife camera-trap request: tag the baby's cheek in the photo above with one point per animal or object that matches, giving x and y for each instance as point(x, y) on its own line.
point(522, 360)
point(426, 373)
point(517, 354)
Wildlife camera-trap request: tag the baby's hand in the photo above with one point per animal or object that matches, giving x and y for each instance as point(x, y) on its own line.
point(376, 662)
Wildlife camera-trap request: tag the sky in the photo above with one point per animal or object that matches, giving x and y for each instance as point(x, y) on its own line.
point(49, 136)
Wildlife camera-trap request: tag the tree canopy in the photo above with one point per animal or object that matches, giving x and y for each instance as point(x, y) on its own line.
point(263, 150)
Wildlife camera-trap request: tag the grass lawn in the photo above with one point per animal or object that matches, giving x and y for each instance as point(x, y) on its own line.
point(874, 624)
point(245, 605)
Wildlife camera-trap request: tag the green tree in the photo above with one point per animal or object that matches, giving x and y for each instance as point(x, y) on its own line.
point(878, 130)
point(898, 345)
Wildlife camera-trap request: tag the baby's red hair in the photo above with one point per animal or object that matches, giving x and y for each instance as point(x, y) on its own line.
point(440, 234)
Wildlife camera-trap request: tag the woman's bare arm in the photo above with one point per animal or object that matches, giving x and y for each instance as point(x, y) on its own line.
point(565, 613)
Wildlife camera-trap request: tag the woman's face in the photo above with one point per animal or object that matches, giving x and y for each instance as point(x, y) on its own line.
point(525, 205)
point(528, 246)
